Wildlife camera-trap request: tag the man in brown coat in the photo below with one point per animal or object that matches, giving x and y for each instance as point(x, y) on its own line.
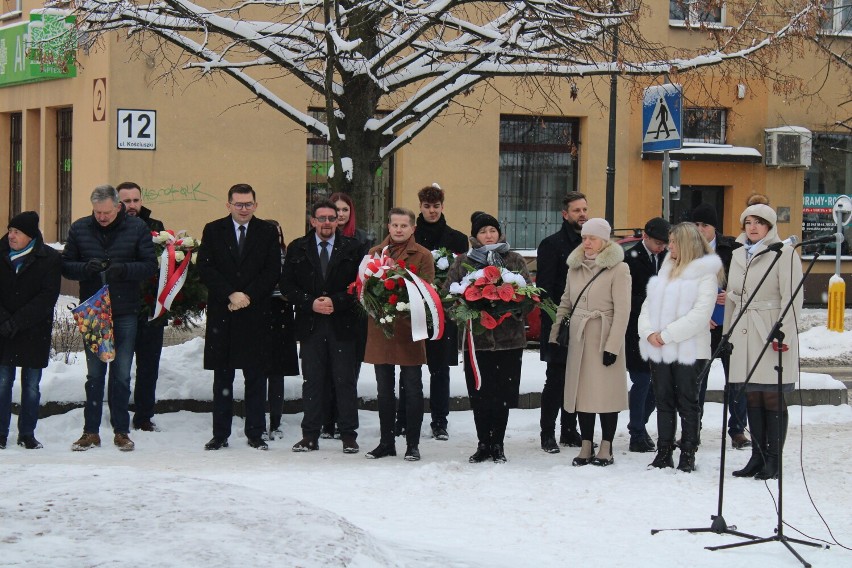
point(384, 353)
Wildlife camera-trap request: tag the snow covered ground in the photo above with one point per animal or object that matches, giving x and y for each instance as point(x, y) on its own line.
point(171, 504)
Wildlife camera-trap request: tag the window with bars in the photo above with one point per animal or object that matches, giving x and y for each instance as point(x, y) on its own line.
point(538, 166)
point(705, 125)
point(16, 165)
point(838, 17)
point(696, 12)
point(64, 123)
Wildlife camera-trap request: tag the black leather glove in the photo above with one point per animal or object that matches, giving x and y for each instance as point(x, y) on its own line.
point(609, 358)
point(8, 328)
point(116, 271)
point(94, 267)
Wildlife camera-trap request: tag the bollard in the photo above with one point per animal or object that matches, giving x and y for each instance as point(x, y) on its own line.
point(836, 303)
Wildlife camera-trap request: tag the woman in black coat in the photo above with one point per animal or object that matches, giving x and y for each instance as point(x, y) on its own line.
point(30, 274)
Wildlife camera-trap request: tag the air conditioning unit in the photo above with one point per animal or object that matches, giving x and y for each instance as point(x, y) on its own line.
point(787, 147)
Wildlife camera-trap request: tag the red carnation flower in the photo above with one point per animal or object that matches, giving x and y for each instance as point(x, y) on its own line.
point(393, 299)
point(401, 263)
point(390, 284)
point(400, 282)
point(413, 269)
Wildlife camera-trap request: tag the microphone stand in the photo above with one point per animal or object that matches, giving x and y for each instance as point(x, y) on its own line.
point(719, 525)
point(777, 335)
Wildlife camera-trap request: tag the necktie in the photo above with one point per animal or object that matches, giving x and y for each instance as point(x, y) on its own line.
point(242, 240)
point(324, 258)
point(654, 263)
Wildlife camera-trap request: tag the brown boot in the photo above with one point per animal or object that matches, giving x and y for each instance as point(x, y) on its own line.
point(123, 442)
point(86, 442)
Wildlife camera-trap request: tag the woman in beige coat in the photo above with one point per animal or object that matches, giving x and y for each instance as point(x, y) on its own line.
point(767, 410)
point(596, 376)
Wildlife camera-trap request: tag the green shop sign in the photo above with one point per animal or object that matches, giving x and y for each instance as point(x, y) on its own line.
point(39, 50)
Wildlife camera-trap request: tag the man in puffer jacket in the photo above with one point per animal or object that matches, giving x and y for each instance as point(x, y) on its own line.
point(110, 247)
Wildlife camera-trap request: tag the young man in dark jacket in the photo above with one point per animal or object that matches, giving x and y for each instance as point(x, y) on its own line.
point(30, 273)
point(433, 233)
point(149, 334)
point(551, 274)
point(110, 247)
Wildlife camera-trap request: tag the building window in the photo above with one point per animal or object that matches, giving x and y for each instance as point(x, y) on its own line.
point(319, 160)
point(705, 125)
point(829, 176)
point(16, 185)
point(838, 17)
point(9, 9)
point(695, 12)
point(538, 166)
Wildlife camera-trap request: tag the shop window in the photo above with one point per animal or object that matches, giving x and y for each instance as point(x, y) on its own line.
point(538, 166)
point(16, 185)
point(695, 12)
point(704, 125)
point(829, 176)
point(838, 17)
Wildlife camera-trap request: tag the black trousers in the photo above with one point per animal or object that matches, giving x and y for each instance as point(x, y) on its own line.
point(223, 402)
point(322, 353)
point(411, 384)
point(676, 387)
point(500, 373)
point(553, 393)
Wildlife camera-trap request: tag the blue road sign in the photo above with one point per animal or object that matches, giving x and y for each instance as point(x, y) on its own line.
point(662, 118)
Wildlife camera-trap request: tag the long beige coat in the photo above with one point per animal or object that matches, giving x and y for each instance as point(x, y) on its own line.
point(753, 329)
point(598, 324)
point(400, 349)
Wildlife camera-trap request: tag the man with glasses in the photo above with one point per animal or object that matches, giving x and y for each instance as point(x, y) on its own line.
point(240, 262)
point(318, 270)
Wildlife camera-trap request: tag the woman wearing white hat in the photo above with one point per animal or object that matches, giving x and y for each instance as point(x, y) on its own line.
point(595, 377)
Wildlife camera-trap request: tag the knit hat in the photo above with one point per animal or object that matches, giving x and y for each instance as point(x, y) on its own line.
point(26, 222)
point(479, 220)
point(597, 227)
point(760, 210)
point(705, 213)
point(658, 228)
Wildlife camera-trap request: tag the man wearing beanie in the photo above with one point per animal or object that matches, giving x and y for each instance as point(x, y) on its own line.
point(704, 217)
point(644, 260)
point(109, 247)
point(30, 274)
point(149, 334)
point(552, 254)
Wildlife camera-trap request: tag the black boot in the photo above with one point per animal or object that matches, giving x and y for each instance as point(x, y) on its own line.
point(663, 458)
point(497, 453)
point(548, 443)
point(686, 463)
point(382, 451)
point(776, 434)
point(757, 425)
point(482, 453)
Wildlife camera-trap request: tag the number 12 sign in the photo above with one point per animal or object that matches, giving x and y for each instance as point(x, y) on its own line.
point(137, 129)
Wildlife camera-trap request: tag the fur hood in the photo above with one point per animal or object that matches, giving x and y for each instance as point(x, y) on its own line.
point(611, 256)
point(708, 264)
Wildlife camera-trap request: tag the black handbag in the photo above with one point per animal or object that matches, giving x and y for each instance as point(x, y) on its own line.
point(565, 323)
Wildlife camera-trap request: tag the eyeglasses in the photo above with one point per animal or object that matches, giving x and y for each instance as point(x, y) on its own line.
point(248, 205)
point(327, 219)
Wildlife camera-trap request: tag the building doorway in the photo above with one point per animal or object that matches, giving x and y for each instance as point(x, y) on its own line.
point(694, 195)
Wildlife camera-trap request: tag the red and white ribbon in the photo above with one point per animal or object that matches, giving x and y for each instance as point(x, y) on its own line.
point(421, 296)
point(171, 279)
point(471, 353)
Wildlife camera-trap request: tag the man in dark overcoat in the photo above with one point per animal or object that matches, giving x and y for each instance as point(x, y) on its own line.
point(318, 270)
point(644, 260)
point(551, 274)
point(109, 247)
point(30, 274)
point(705, 218)
point(240, 262)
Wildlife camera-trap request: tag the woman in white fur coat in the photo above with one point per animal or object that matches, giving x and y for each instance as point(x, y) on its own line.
point(674, 335)
point(596, 374)
point(767, 410)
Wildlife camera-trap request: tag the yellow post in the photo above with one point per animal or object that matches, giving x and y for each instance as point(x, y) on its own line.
point(836, 303)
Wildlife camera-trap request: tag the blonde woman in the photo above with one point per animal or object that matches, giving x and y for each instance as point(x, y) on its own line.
point(674, 335)
point(767, 409)
point(596, 374)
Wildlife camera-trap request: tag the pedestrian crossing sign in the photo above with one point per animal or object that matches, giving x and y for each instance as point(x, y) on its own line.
point(662, 118)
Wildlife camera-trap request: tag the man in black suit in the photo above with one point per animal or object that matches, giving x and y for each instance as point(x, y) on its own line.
point(318, 270)
point(240, 262)
point(551, 274)
point(644, 260)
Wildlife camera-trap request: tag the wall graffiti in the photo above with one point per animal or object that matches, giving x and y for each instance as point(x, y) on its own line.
point(176, 193)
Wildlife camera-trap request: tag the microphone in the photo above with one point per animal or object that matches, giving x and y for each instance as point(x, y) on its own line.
point(817, 240)
point(774, 247)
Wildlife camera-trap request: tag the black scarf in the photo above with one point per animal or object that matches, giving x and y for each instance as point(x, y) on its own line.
point(429, 234)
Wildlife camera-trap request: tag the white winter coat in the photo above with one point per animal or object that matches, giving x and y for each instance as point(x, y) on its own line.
point(680, 309)
point(753, 329)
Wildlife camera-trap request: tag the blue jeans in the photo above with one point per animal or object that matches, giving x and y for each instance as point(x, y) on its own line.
point(148, 347)
point(29, 399)
point(118, 395)
point(642, 402)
